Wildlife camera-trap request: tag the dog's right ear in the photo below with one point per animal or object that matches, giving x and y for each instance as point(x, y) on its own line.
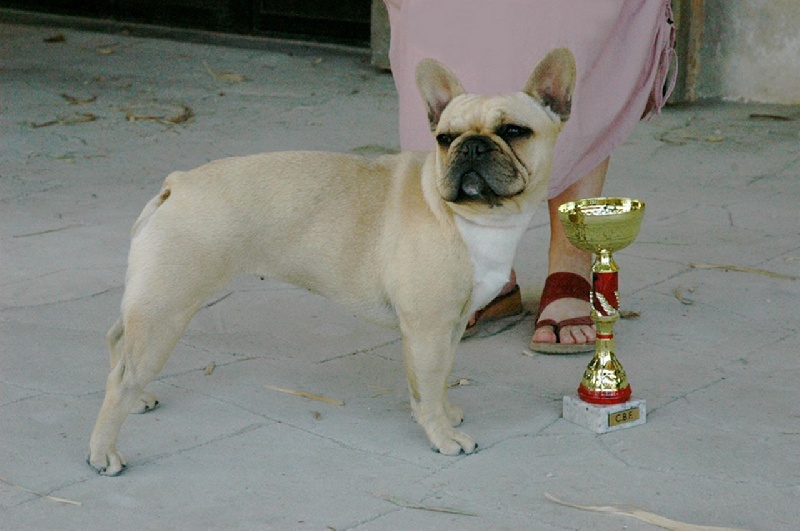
point(438, 86)
point(553, 82)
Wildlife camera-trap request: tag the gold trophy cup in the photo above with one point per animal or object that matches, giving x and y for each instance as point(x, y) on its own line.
point(601, 226)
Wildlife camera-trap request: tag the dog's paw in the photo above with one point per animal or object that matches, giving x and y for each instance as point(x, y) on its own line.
point(146, 402)
point(106, 463)
point(453, 442)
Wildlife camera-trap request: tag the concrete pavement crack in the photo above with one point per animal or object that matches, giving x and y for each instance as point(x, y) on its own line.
point(334, 440)
point(360, 351)
point(62, 301)
point(224, 437)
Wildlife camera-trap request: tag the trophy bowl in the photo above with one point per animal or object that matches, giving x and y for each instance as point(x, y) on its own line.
point(602, 223)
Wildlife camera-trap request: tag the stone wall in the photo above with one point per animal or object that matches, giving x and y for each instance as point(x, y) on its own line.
point(750, 51)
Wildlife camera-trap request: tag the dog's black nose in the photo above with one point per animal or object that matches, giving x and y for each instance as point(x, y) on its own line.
point(476, 146)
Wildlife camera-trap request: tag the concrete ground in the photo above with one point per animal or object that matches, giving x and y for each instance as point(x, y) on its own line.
point(89, 127)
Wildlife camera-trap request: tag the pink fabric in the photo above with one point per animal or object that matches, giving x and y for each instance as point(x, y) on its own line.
point(622, 49)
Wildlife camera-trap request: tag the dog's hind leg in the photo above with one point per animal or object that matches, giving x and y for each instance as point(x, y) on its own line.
point(174, 265)
point(139, 353)
point(114, 339)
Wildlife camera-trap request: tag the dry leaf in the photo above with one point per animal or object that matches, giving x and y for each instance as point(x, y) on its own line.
point(681, 298)
point(163, 114)
point(629, 314)
point(639, 514)
point(743, 269)
point(411, 505)
point(224, 75)
point(44, 124)
point(303, 394)
point(210, 368)
point(73, 119)
point(184, 115)
point(461, 382)
point(80, 118)
point(768, 116)
point(378, 390)
point(39, 494)
point(107, 49)
point(74, 100)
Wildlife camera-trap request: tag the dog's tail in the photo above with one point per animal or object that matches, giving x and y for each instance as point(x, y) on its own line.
point(152, 205)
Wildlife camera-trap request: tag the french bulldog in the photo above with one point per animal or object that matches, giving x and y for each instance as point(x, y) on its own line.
point(417, 241)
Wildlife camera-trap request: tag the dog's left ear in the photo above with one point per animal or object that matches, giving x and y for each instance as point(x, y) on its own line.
point(438, 86)
point(553, 82)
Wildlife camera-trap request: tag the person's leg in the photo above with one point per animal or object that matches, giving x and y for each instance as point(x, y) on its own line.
point(564, 257)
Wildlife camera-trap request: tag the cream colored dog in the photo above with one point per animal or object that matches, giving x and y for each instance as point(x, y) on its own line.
point(417, 241)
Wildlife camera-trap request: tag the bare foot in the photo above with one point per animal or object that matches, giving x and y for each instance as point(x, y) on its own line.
point(561, 310)
point(563, 257)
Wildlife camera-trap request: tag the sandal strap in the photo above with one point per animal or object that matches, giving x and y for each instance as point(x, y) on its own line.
point(546, 322)
point(564, 285)
point(557, 326)
point(577, 321)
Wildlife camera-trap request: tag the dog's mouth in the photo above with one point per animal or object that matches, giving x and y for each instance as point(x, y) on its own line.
point(480, 172)
point(473, 187)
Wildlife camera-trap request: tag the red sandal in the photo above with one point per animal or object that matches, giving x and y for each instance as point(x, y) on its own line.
point(563, 285)
point(496, 312)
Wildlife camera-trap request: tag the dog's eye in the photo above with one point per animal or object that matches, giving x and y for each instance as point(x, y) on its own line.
point(445, 139)
point(513, 132)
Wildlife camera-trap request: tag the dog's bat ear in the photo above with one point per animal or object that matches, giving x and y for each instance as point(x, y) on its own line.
point(438, 86)
point(553, 82)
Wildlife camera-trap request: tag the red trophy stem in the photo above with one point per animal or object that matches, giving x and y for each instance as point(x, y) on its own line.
point(605, 301)
point(606, 287)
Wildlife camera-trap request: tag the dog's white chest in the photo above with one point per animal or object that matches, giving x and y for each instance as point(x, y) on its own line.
point(491, 249)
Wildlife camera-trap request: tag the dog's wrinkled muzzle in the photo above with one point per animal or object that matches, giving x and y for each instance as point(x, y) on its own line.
point(477, 172)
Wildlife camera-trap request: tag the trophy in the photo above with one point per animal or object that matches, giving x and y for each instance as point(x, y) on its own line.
point(601, 226)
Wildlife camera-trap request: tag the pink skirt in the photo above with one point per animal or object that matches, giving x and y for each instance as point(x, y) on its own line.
point(623, 50)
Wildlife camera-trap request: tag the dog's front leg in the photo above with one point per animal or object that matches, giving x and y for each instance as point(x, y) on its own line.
point(429, 360)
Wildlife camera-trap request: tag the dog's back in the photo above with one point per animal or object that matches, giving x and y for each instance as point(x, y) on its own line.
point(274, 212)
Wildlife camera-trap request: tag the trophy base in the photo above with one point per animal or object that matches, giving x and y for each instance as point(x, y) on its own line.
point(605, 398)
point(604, 419)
